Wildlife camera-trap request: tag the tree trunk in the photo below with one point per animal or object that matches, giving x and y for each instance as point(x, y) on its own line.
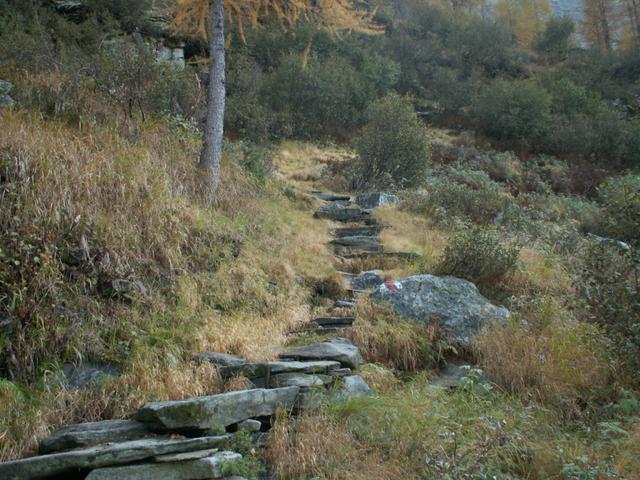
point(216, 92)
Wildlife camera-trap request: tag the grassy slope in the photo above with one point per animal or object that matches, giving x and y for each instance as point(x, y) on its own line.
point(237, 277)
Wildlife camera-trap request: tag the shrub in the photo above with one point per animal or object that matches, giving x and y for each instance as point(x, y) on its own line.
point(478, 255)
point(516, 110)
point(393, 147)
point(621, 203)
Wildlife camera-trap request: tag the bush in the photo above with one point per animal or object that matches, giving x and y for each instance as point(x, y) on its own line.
point(518, 110)
point(393, 147)
point(478, 255)
point(621, 203)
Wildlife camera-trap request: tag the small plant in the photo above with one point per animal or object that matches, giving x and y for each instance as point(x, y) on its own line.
point(478, 255)
point(393, 148)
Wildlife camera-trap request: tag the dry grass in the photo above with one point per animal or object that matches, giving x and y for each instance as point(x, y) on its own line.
point(318, 446)
point(565, 360)
point(385, 339)
point(540, 274)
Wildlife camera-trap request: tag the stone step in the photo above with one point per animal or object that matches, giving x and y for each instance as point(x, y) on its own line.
point(337, 349)
point(406, 256)
point(215, 412)
point(360, 241)
point(266, 369)
point(93, 433)
point(331, 197)
point(342, 213)
point(371, 231)
point(367, 281)
point(212, 466)
point(344, 304)
point(334, 321)
point(67, 463)
point(348, 252)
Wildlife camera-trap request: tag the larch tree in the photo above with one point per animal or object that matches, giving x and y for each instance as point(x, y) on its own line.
point(526, 18)
point(599, 23)
point(206, 18)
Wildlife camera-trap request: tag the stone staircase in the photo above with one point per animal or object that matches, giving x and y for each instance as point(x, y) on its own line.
point(191, 439)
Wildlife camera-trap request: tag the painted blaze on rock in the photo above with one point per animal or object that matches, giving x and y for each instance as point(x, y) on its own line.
point(454, 303)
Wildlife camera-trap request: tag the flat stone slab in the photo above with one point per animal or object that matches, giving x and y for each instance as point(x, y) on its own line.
point(372, 231)
point(260, 370)
point(302, 380)
point(123, 453)
point(215, 412)
point(344, 304)
point(220, 359)
point(331, 197)
point(407, 256)
point(334, 321)
point(210, 467)
point(250, 425)
point(93, 433)
point(342, 213)
point(337, 349)
point(361, 241)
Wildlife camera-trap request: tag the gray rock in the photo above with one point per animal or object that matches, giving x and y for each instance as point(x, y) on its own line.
point(5, 87)
point(94, 433)
point(331, 197)
point(88, 375)
point(334, 321)
point(372, 231)
point(610, 242)
point(300, 380)
point(220, 359)
point(341, 212)
point(6, 101)
point(215, 412)
point(46, 466)
point(455, 304)
point(250, 425)
point(200, 469)
point(337, 349)
point(181, 457)
point(344, 304)
point(376, 199)
point(352, 387)
point(260, 370)
point(367, 280)
point(356, 244)
point(7, 322)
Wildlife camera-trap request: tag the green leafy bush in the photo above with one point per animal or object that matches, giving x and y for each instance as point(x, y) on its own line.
point(393, 148)
point(513, 110)
point(478, 255)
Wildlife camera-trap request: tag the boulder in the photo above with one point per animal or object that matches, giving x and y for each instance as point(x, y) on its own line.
point(93, 433)
point(376, 199)
point(5, 90)
point(341, 212)
point(344, 304)
point(216, 412)
point(455, 304)
point(367, 280)
point(220, 359)
point(609, 242)
point(352, 387)
point(210, 467)
point(88, 375)
point(337, 349)
point(59, 464)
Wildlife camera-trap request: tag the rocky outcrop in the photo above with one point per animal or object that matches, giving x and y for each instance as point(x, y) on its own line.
point(455, 304)
point(215, 412)
point(352, 387)
point(220, 359)
point(338, 349)
point(88, 375)
point(367, 280)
